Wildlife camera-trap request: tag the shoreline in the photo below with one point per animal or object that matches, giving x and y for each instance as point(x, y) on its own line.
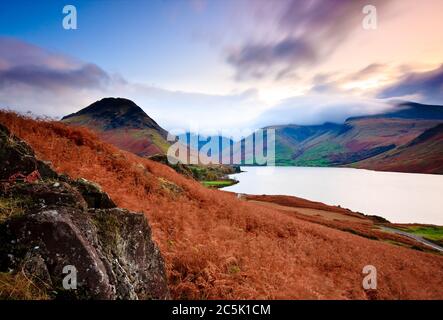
point(368, 226)
point(389, 207)
point(349, 166)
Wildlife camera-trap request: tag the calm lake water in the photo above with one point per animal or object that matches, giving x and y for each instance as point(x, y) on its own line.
point(398, 197)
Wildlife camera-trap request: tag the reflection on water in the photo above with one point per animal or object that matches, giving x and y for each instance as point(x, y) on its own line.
point(398, 197)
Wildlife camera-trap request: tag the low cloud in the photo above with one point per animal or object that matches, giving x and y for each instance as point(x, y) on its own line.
point(425, 87)
point(206, 113)
point(318, 109)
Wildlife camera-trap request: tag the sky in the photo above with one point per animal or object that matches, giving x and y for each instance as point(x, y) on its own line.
point(227, 65)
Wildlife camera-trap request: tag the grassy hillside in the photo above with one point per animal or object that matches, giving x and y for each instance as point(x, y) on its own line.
point(364, 141)
point(424, 154)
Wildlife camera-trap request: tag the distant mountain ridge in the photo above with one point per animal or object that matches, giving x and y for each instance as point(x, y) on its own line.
point(121, 122)
point(361, 138)
point(405, 139)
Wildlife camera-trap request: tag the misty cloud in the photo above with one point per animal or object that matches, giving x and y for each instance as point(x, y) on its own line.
point(426, 87)
point(206, 113)
point(318, 109)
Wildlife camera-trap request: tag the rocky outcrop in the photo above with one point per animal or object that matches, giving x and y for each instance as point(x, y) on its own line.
point(93, 194)
point(17, 157)
point(55, 230)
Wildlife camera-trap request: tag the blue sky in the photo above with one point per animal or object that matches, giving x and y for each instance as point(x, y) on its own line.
point(218, 64)
point(136, 39)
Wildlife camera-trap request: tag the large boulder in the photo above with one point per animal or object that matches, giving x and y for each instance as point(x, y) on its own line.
point(111, 250)
point(54, 223)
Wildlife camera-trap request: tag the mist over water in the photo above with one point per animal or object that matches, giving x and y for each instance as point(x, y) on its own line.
point(398, 197)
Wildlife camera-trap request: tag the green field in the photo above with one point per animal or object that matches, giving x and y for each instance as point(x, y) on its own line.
point(429, 232)
point(432, 233)
point(219, 183)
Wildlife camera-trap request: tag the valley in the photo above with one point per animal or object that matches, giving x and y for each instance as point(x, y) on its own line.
point(217, 246)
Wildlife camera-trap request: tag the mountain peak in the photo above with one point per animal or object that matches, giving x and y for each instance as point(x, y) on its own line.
point(121, 122)
point(114, 113)
point(108, 104)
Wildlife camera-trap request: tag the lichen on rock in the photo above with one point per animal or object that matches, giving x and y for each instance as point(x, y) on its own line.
point(56, 222)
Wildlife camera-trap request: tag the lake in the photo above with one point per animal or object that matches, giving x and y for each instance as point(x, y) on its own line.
point(398, 197)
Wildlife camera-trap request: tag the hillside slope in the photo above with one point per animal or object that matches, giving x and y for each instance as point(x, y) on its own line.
point(124, 124)
point(361, 138)
point(217, 246)
point(424, 154)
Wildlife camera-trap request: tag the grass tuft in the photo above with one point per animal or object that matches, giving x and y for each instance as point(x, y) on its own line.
point(19, 287)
